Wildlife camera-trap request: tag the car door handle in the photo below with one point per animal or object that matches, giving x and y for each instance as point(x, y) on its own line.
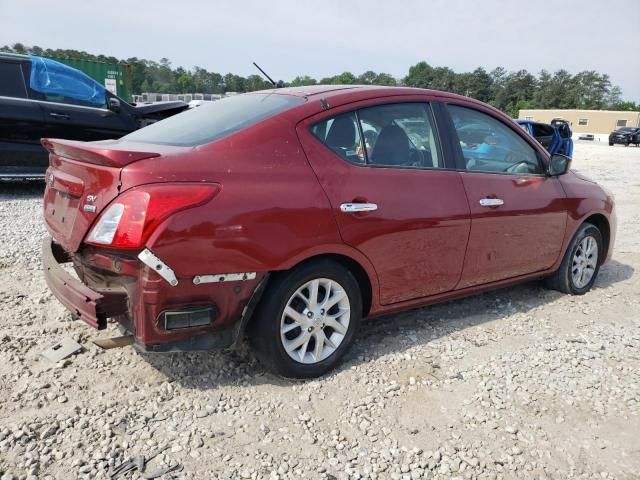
point(59, 116)
point(491, 202)
point(358, 207)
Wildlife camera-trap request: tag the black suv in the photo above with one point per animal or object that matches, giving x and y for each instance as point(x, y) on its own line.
point(43, 98)
point(625, 136)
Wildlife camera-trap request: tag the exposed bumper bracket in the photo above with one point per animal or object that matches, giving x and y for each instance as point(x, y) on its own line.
point(150, 260)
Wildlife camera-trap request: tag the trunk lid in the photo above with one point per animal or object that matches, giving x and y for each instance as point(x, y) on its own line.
point(81, 181)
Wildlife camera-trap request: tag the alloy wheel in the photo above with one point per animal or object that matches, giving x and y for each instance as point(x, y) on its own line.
point(585, 262)
point(315, 321)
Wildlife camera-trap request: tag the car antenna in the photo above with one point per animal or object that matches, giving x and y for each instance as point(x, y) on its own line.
point(265, 74)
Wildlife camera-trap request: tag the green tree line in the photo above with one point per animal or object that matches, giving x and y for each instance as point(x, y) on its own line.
point(509, 91)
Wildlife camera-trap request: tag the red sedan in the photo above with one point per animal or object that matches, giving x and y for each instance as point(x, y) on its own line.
point(290, 215)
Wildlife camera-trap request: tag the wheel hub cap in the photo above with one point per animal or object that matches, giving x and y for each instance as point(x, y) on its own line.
point(315, 321)
point(585, 262)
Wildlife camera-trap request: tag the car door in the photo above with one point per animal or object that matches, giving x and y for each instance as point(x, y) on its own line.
point(548, 137)
point(21, 125)
point(395, 196)
point(80, 122)
point(75, 105)
point(518, 213)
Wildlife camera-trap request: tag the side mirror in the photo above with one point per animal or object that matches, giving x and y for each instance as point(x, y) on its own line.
point(113, 104)
point(558, 165)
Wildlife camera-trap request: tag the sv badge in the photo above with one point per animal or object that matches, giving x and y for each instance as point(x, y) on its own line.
point(87, 207)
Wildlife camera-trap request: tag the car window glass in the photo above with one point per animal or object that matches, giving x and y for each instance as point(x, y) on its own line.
point(11, 80)
point(342, 135)
point(57, 82)
point(541, 130)
point(400, 135)
point(488, 145)
point(391, 135)
point(214, 120)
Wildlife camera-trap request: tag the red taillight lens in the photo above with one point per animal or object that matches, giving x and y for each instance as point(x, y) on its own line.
point(132, 217)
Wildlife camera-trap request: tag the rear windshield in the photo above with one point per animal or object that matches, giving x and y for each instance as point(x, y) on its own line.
point(212, 121)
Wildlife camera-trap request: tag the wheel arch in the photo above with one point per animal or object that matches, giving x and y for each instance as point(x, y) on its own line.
point(358, 271)
point(602, 223)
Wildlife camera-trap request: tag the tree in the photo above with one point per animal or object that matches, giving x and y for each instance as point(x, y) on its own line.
point(367, 78)
point(19, 48)
point(303, 81)
point(185, 83)
point(345, 78)
point(508, 91)
point(234, 83)
point(420, 75)
point(256, 82)
point(385, 79)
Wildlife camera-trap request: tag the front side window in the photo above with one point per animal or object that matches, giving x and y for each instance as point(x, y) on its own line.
point(488, 145)
point(57, 82)
point(390, 135)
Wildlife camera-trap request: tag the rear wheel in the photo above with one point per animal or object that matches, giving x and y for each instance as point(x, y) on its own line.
point(307, 319)
point(611, 144)
point(581, 262)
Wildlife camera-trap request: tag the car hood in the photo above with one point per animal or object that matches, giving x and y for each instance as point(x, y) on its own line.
point(178, 106)
point(583, 177)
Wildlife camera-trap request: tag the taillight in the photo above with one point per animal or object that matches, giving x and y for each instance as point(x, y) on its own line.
point(133, 216)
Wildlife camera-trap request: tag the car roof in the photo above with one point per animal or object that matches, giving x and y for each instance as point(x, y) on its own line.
point(12, 56)
point(323, 97)
point(334, 91)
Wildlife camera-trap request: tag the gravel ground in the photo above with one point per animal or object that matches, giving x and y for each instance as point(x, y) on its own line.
point(518, 383)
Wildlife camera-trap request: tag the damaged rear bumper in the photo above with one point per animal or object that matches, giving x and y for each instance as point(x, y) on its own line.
point(92, 306)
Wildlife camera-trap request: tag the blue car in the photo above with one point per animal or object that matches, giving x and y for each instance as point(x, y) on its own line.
point(556, 138)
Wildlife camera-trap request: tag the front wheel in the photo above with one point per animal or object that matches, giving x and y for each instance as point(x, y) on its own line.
point(307, 319)
point(581, 262)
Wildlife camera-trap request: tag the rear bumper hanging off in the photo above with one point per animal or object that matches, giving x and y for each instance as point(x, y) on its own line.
point(92, 306)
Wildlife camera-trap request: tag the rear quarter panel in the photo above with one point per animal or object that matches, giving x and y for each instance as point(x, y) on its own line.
point(269, 211)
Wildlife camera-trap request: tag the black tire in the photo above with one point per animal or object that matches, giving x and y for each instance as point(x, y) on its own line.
point(562, 279)
point(264, 331)
point(611, 144)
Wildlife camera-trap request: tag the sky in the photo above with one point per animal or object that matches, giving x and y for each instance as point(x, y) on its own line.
point(323, 38)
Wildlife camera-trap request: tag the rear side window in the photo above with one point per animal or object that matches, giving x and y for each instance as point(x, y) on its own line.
point(12, 81)
point(390, 135)
point(342, 135)
point(488, 145)
point(214, 120)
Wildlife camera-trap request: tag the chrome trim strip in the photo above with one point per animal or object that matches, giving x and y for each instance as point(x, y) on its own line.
point(23, 176)
point(224, 277)
point(54, 103)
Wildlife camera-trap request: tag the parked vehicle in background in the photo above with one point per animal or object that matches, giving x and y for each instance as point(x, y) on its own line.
point(556, 138)
point(625, 136)
point(40, 98)
point(291, 214)
point(564, 129)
